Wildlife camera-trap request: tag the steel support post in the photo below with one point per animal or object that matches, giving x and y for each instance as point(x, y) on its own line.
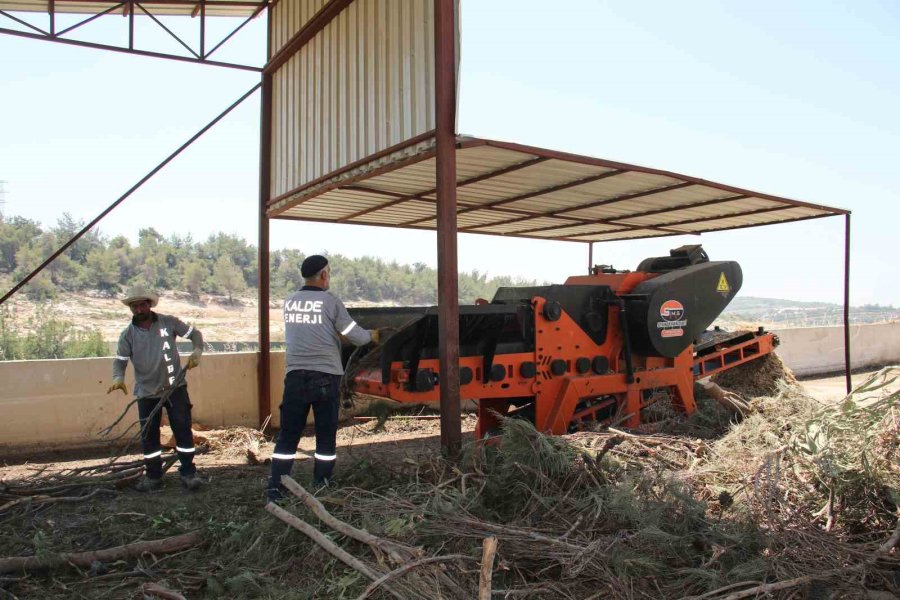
point(590, 257)
point(448, 294)
point(264, 364)
point(847, 303)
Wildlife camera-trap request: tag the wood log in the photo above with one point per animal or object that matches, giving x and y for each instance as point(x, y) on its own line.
point(42, 500)
point(16, 564)
point(728, 399)
point(406, 568)
point(489, 550)
point(327, 545)
point(398, 553)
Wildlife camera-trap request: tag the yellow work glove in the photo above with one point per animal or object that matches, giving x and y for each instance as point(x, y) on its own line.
point(376, 336)
point(119, 385)
point(193, 360)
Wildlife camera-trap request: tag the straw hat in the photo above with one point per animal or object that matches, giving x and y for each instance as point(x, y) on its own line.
point(139, 292)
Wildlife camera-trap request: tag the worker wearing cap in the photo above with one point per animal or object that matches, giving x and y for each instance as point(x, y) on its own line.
point(149, 343)
point(314, 321)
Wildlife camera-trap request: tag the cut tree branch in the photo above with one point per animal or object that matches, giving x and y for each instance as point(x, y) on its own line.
point(17, 564)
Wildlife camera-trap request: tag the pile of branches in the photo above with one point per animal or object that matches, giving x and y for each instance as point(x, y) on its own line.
point(71, 486)
point(837, 465)
point(797, 497)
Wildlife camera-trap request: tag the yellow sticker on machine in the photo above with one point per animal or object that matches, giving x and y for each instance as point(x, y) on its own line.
point(723, 287)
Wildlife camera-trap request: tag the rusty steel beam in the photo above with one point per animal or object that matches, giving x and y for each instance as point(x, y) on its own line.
point(580, 240)
point(202, 7)
point(847, 365)
point(621, 221)
point(586, 238)
point(445, 176)
point(263, 372)
point(169, 31)
point(255, 14)
point(130, 50)
point(587, 160)
point(421, 195)
point(306, 187)
point(659, 211)
point(40, 32)
point(121, 198)
point(541, 192)
point(613, 200)
point(55, 33)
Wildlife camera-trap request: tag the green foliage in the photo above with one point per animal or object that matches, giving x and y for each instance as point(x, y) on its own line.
point(48, 337)
point(15, 233)
point(224, 263)
point(227, 278)
point(103, 269)
point(194, 277)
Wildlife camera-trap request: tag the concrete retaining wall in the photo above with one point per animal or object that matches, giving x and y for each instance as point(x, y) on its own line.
point(817, 350)
point(63, 403)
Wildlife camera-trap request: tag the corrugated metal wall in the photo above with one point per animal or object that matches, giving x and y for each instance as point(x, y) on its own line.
point(363, 84)
point(289, 17)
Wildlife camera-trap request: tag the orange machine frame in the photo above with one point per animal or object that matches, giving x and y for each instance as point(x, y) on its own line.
point(566, 390)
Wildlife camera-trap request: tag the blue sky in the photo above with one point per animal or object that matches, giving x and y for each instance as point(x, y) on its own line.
point(796, 99)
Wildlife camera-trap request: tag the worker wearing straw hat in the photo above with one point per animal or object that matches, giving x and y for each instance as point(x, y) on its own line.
point(149, 343)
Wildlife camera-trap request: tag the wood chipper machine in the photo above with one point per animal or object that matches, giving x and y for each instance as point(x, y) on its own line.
point(600, 347)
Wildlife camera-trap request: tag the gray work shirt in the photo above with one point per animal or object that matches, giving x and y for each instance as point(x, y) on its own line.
point(152, 352)
point(314, 320)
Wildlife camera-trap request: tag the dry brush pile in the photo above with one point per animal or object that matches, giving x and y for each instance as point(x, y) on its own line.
point(796, 498)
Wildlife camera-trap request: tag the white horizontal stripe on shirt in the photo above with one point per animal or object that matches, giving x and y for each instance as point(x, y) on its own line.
point(348, 328)
point(121, 357)
point(188, 333)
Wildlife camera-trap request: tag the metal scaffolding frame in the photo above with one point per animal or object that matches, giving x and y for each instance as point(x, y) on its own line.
point(445, 191)
point(127, 9)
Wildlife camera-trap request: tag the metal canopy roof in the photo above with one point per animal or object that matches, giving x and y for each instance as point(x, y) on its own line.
point(220, 8)
point(522, 191)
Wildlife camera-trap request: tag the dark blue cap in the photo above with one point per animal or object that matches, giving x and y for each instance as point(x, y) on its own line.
point(313, 264)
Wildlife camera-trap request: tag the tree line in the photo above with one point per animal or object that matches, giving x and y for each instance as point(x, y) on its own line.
point(222, 264)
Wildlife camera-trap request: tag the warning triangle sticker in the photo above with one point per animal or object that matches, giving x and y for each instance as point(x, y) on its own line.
point(723, 287)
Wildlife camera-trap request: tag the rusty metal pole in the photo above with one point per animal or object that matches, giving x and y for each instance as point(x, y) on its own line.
point(590, 257)
point(445, 173)
point(263, 365)
point(847, 303)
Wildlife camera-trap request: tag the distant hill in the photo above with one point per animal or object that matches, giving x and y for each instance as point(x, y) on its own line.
point(773, 312)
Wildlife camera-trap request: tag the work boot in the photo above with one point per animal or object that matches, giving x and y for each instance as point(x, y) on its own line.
point(274, 496)
point(191, 482)
point(147, 484)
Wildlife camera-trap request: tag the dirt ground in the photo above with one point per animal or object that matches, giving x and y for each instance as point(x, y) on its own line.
point(246, 553)
point(833, 388)
point(240, 538)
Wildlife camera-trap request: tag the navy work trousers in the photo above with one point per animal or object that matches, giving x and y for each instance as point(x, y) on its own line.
point(178, 407)
point(305, 390)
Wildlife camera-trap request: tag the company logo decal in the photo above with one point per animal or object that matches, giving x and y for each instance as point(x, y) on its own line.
point(673, 319)
point(671, 310)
